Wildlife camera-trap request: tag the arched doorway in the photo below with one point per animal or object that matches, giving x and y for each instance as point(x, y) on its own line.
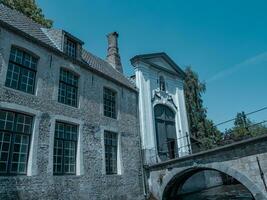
point(202, 184)
point(165, 132)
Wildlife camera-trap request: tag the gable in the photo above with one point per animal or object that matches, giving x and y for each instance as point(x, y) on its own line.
point(159, 61)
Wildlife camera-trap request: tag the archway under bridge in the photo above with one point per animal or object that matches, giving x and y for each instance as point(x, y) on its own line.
point(244, 161)
point(202, 184)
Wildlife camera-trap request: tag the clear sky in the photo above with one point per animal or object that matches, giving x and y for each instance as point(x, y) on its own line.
point(225, 42)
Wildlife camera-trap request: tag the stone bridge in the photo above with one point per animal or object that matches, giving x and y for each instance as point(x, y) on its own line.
point(245, 161)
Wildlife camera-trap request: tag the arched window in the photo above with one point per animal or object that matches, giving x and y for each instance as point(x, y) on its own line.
point(165, 132)
point(162, 83)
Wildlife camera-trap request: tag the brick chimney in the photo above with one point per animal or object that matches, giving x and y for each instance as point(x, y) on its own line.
point(113, 56)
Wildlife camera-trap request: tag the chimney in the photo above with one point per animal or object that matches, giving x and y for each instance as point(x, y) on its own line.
point(113, 56)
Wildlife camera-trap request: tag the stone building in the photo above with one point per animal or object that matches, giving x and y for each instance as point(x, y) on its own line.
point(72, 126)
point(68, 119)
point(163, 119)
point(162, 114)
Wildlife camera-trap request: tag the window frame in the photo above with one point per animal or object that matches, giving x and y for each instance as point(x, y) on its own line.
point(68, 85)
point(12, 141)
point(67, 50)
point(63, 148)
point(115, 114)
point(110, 171)
point(22, 66)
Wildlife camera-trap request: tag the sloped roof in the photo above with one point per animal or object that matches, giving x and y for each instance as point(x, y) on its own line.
point(52, 39)
point(145, 58)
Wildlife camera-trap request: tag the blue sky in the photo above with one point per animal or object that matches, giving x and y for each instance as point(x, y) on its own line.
point(225, 42)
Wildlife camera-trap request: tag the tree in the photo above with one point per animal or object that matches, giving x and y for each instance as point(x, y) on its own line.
point(241, 124)
point(30, 9)
point(203, 129)
point(193, 94)
point(244, 128)
point(200, 127)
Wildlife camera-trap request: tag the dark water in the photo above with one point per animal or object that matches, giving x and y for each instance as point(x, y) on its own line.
point(225, 192)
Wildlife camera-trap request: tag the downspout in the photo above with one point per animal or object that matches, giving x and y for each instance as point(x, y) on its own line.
point(143, 170)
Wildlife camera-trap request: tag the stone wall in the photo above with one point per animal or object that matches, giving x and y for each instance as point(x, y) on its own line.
point(238, 160)
point(90, 181)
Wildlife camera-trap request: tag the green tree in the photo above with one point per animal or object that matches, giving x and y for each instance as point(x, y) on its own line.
point(258, 129)
point(200, 127)
point(244, 128)
point(30, 9)
point(203, 129)
point(194, 104)
point(241, 125)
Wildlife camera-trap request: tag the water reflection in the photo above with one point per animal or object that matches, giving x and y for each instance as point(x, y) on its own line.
point(223, 192)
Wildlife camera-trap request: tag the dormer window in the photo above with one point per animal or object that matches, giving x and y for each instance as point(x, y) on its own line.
point(162, 83)
point(70, 47)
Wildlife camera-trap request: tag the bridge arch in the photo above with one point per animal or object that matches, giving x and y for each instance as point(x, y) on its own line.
point(178, 175)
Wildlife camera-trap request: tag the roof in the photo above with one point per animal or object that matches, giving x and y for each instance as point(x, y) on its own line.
point(145, 58)
point(52, 39)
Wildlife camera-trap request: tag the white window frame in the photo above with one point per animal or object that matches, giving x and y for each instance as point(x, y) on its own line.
point(79, 153)
point(119, 150)
point(32, 156)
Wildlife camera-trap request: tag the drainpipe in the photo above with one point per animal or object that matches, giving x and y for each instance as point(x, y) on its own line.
point(143, 170)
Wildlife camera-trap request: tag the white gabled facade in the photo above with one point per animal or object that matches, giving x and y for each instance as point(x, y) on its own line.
point(148, 70)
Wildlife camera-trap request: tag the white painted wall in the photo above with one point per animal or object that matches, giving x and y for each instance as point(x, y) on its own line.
point(147, 82)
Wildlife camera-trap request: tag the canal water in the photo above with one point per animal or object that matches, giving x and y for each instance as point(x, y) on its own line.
point(224, 192)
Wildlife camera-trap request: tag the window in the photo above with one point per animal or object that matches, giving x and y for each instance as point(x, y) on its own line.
point(15, 134)
point(70, 47)
point(65, 148)
point(111, 147)
point(68, 88)
point(165, 132)
point(162, 83)
point(21, 71)
point(109, 103)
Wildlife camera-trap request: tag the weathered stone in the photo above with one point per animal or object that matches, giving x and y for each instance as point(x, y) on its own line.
point(230, 160)
point(91, 182)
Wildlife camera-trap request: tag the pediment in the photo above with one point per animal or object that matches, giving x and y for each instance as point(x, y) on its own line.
point(161, 61)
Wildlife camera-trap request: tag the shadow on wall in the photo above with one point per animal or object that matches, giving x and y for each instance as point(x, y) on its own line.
point(201, 181)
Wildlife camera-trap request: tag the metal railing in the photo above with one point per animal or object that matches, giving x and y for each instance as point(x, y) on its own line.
point(184, 145)
point(181, 147)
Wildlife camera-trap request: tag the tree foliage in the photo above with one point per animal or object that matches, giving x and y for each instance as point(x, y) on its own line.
point(200, 127)
point(243, 128)
point(203, 129)
point(194, 104)
point(30, 9)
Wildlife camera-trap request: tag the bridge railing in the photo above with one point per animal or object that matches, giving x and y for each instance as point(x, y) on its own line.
point(187, 144)
point(171, 149)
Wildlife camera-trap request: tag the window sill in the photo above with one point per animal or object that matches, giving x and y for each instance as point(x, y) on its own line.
point(20, 92)
point(113, 175)
point(59, 175)
point(111, 118)
point(12, 175)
